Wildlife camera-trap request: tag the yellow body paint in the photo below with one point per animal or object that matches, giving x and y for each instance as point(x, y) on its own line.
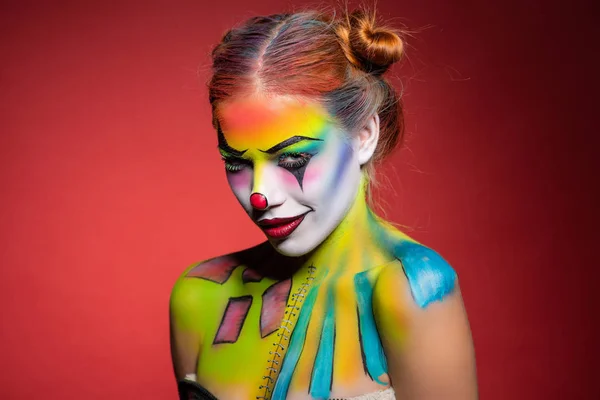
point(332, 309)
point(238, 369)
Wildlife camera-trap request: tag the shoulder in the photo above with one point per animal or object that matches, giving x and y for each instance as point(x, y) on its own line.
point(422, 271)
point(217, 270)
point(200, 279)
point(424, 327)
point(194, 295)
point(216, 277)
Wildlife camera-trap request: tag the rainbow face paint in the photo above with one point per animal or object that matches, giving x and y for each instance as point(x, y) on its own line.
point(291, 155)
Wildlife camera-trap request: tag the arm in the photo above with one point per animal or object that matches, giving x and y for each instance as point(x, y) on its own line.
point(185, 329)
point(429, 350)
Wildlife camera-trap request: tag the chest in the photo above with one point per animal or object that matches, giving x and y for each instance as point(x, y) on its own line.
point(278, 338)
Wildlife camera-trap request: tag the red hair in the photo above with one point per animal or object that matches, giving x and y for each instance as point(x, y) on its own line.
point(337, 61)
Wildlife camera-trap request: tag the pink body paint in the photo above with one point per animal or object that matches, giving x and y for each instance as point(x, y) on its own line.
point(274, 301)
point(313, 173)
point(250, 275)
point(233, 319)
point(216, 270)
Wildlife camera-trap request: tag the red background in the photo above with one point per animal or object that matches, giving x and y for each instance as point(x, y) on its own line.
point(111, 185)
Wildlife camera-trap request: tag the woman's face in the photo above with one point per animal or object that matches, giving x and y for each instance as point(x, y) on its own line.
point(295, 173)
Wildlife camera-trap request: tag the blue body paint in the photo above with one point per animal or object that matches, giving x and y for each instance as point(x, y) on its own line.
point(431, 278)
point(322, 374)
point(295, 347)
point(374, 357)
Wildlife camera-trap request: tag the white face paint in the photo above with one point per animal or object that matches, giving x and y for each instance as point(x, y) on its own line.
point(305, 167)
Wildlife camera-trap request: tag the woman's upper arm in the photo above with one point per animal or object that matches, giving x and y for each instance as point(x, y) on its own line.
point(429, 349)
point(185, 328)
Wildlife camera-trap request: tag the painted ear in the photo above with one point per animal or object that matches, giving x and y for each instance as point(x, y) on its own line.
point(368, 137)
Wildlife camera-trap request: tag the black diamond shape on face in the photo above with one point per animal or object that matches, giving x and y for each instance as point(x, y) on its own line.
point(299, 173)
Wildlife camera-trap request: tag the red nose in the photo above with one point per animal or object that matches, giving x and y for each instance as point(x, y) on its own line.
point(258, 201)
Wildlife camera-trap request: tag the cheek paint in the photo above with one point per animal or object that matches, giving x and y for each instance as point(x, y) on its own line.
point(317, 177)
point(344, 157)
point(327, 171)
point(287, 178)
point(313, 174)
point(239, 180)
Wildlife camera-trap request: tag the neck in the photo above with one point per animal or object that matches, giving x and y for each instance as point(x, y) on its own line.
point(355, 244)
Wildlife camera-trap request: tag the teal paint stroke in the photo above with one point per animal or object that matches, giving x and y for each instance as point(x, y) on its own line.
point(295, 347)
point(322, 374)
point(374, 357)
point(431, 278)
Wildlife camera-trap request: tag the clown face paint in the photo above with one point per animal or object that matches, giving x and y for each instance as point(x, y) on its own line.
point(292, 169)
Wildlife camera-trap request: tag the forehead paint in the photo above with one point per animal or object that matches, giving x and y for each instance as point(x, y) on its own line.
point(224, 146)
point(286, 144)
point(295, 143)
point(259, 124)
point(258, 128)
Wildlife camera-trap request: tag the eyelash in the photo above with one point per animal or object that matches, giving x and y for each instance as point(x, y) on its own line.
point(235, 165)
point(301, 159)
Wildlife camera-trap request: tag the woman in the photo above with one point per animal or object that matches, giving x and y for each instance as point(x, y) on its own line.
point(337, 303)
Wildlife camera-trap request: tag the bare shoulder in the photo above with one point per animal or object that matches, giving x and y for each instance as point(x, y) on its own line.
point(201, 279)
point(194, 296)
point(430, 276)
point(212, 280)
point(417, 278)
point(216, 270)
point(424, 327)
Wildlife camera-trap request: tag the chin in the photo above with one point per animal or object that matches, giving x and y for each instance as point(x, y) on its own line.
point(292, 247)
point(306, 238)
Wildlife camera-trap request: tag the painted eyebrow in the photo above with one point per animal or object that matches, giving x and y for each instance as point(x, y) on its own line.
point(288, 142)
point(223, 145)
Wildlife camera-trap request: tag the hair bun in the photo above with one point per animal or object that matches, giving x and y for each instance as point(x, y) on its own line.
point(374, 48)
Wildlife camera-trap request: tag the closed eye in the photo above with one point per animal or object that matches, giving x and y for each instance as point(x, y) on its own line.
point(234, 164)
point(293, 160)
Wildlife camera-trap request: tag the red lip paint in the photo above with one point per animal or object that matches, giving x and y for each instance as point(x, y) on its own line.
point(280, 228)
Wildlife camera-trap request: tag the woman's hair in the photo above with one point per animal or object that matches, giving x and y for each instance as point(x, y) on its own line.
point(338, 61)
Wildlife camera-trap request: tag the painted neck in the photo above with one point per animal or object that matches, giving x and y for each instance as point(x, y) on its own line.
point(353, 246)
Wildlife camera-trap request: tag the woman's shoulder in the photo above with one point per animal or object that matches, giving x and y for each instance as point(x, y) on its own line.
point(419, 271)
point(422, 322)
point(216, 277)
point(415, 291)
point(204, 280)
point(192, 287)
point(216, 269)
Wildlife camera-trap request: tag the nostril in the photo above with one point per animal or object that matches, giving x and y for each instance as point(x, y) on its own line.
point(258, 201)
